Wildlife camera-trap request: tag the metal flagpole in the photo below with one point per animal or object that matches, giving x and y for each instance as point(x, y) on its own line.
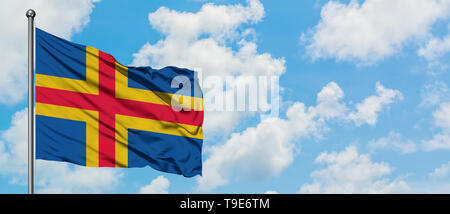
point(30, 15)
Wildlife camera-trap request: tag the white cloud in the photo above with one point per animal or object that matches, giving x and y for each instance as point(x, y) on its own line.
point(372, 30)
point(442, 116)
point(14, 147)
point(184, 47)
point(440, 140)
point(62, 18)
point(350, 172)
point(271, 192)
point(159, 185)
point(213, 40)
point(219, 21)
point(58, 177)
point(329, 105)
point(435, 93)
point(442, 171)
point(393, 141)
point(437, 182)
point(367, 111)
point(51, 177)
point(435, 48)
point(274, 139)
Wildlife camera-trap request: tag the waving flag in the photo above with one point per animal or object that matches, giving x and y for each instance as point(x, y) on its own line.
point(95, 112)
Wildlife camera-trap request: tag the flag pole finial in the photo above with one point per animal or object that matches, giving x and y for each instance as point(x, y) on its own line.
point(31, 13)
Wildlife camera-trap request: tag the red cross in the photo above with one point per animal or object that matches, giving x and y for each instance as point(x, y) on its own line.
point(108, 106)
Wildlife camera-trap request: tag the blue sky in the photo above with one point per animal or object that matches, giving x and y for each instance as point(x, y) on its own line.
point(380, 141)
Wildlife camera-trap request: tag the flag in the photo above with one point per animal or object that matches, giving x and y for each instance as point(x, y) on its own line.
point(95, 112)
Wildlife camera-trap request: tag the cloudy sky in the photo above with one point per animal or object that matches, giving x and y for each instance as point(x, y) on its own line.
point(364, 95)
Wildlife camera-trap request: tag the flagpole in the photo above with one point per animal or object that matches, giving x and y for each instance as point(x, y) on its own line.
point(30, 15)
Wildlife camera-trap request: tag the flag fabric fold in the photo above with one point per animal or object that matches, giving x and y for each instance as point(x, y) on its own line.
point(95, 112)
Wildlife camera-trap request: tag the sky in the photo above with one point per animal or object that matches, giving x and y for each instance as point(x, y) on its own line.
point(364, 101)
